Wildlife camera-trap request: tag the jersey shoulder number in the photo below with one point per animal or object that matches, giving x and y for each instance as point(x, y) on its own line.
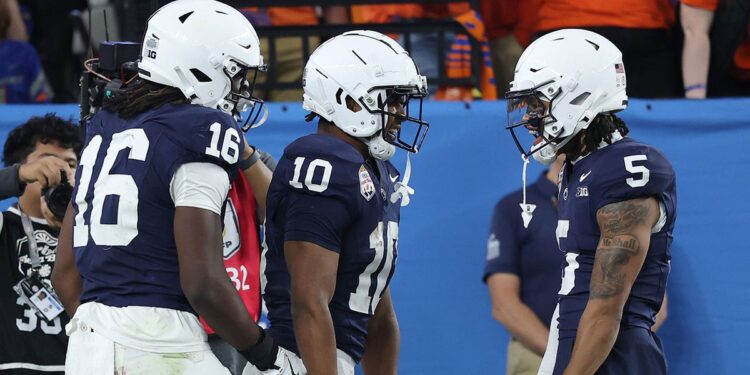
point(630, 171)
point(322, 165)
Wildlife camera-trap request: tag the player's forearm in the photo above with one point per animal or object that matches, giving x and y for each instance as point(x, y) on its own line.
point(316, 340)
point(204, 280)
point(597, 332)
point(523, 324)
point(383, 343)
point(66, 280)
point(259, 178)
point(220, 306)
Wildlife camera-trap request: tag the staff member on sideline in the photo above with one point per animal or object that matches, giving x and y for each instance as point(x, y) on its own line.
point(523, 271)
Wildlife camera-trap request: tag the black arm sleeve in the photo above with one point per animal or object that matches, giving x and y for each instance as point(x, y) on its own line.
point(267, 159)
point(10, 185)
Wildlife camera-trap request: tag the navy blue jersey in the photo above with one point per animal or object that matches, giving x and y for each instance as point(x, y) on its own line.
point(622, 171)
point(123, 235)
point(530, 253)
point(325, 193)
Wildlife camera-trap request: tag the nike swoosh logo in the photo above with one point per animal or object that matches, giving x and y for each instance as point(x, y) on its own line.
point(291, 368)
point(393, 178)
point(583, 176)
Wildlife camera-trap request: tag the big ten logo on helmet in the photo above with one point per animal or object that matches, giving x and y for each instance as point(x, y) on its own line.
point(46, 245)
point(153, 44)
point(231, 234)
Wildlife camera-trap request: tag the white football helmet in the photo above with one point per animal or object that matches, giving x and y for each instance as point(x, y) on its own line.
point(204, 48)
point(562, 82)
point(373, 70)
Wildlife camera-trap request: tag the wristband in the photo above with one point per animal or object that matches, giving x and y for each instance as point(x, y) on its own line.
point(250, 161)
point(263, 354)
point(698, 86)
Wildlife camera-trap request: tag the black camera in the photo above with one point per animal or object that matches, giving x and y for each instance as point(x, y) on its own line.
point(59, 196)
point(104, 77)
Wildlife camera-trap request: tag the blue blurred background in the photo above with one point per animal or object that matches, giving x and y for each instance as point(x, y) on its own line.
point(468, 162)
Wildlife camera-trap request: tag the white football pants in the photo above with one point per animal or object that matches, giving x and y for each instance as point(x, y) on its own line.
point(90, 353)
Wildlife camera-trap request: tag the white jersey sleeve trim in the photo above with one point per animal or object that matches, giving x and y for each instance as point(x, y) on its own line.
point(662, 218)
point(200, 185)
point(31, 366)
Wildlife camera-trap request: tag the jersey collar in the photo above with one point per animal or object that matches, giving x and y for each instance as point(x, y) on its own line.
point(14, 209)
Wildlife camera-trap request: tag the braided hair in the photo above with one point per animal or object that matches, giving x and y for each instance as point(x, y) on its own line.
point(141, 96)
point(600, 130)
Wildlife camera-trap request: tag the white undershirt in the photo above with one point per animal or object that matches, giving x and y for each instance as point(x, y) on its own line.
point(200, 185)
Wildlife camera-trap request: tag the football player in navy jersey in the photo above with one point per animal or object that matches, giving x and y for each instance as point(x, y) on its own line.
point(617, 205)
point(141, 244)
point(334, 206)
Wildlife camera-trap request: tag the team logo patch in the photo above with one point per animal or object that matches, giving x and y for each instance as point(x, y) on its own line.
point(582, 191)
point(46, 245)
point(366, 187)
point(231, 235)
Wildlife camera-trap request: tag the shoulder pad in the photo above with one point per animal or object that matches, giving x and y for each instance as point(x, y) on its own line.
point(208, 134)
point(321, 164)
point(324, 146)
point(630, 170)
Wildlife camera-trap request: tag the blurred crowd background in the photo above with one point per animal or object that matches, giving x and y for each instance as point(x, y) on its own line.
point(467, 49)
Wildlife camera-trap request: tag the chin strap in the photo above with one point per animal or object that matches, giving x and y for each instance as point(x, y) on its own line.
point(402, 188)
point(527, 210)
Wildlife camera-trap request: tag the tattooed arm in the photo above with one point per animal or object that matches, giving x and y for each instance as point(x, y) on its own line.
point(625, 234)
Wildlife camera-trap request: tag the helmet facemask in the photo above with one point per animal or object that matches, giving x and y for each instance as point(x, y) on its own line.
point(532, 110)
point(393, 104)
point(241, 96)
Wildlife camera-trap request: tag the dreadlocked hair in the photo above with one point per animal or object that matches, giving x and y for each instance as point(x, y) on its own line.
point(600, 130)
point(141, 96)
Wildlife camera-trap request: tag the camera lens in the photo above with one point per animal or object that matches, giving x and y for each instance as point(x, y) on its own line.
point(59, 196)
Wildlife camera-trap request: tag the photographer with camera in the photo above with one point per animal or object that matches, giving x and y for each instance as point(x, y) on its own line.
point(40, 156)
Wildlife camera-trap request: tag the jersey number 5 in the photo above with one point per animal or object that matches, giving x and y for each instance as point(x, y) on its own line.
point(645, 173)
point(121, 185)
